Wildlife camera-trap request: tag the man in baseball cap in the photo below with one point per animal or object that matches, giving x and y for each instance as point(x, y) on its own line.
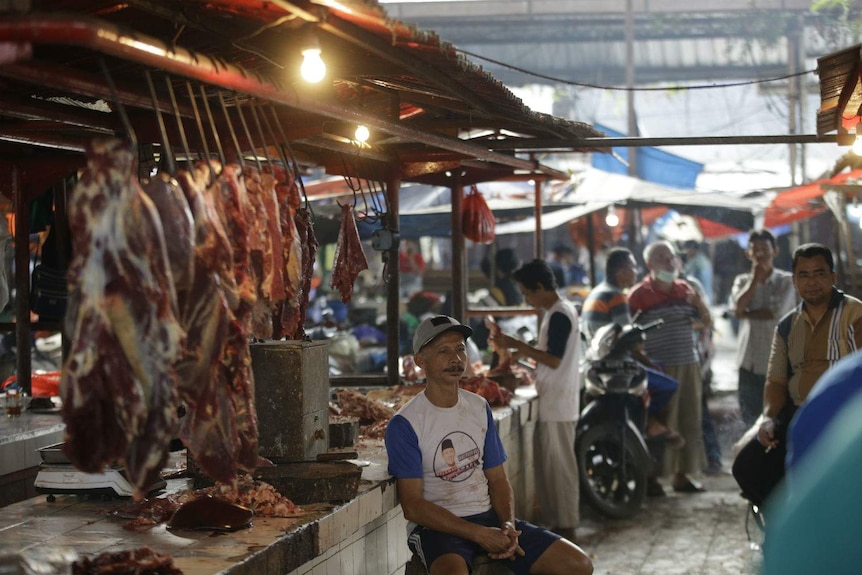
point(434, 326)
point(458, 511)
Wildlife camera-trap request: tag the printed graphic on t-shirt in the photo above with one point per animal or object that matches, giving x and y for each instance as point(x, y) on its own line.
point(456, 457)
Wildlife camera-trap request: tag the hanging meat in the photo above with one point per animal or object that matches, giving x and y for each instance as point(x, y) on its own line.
point(205, 429)
point(235, 372)
point(273, 280)
point(309, 252)
point(260, 254)
point(237, 213)
point(215, 243)
point(221, 424)
point(286, 319)
point(177, 224)
point(118, 381)
point(349, 256)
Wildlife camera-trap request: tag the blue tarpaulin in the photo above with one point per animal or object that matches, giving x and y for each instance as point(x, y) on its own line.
point(652, 164)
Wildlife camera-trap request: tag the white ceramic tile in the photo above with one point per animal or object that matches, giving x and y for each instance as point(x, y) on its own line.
point(346, 558)
point(372, 551)
point(327, 533)
point(319, 569)
point(358, 550)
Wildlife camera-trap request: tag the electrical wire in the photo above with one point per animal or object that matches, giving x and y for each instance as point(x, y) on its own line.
point(632, 89)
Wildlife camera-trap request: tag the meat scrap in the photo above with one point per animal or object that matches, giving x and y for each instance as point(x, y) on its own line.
point(118, 380)
point(141, 561)
point(349, 256)
point(505, 356)
point(356, 404)
point(257, 495)
point(147, 513)
point(497, 396)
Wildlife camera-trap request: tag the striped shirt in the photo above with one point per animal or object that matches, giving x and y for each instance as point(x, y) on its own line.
point(674, 342)
point(605, 304)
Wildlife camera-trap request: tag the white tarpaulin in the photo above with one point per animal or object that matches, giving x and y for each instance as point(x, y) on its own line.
point(595, 190)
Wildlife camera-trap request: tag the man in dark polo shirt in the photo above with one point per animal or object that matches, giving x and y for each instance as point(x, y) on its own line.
point(825, 327)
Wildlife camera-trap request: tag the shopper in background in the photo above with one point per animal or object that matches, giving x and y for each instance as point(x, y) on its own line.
point(662, 295)
point(759, 298)
point(698, 266)
point(567, 271)
point(411, 269)
point(558, 386)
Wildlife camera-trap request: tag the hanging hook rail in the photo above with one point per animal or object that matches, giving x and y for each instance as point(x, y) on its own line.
point(265, 119)
point(184, 140)
point(121, 110)
point(248, 135)
point(109, 39)
point(297, 176)
point(230, 128)
point(213, 127)
point(202, 133)
point(253, 108)
point(167, 158)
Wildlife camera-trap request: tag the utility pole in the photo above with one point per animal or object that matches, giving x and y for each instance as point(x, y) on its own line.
point(793, 94)
point(635, 223)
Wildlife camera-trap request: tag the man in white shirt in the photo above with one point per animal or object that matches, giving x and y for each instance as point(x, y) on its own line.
point(759, 298)
point(558, 386)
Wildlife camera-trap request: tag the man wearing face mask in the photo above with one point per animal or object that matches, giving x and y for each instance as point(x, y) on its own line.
point(661, 295)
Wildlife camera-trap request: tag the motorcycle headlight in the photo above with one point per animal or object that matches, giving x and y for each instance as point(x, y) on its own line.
point(639, 389)
point(593, 389)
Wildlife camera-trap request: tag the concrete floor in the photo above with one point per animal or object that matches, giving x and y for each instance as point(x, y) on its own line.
point(689, 534)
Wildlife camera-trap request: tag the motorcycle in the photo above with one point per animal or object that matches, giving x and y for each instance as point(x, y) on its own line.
point(613, 457)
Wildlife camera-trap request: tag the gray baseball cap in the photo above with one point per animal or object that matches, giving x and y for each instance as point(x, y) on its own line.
point(434, 326)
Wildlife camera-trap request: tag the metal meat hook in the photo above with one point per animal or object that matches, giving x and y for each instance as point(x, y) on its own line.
point(166, 161)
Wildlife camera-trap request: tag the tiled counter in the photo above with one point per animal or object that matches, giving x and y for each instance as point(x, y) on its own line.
point(365, 536)
point(20, 437)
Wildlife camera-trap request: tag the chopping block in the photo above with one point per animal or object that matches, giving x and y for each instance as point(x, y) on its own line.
point(307, 482)
point(291, 394)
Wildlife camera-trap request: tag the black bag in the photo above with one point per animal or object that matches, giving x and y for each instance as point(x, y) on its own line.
point(48, 292)
point(48, 289)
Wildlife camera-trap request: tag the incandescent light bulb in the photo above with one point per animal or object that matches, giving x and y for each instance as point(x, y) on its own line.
point(313, 69)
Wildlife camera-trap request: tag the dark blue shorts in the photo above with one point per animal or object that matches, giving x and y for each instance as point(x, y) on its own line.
point(429, 544)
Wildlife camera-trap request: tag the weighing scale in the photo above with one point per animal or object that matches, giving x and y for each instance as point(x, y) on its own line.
point(58, 476)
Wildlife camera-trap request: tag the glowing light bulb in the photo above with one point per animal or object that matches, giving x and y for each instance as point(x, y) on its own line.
point(612, 219)
point(361, 134)
point(313, 69)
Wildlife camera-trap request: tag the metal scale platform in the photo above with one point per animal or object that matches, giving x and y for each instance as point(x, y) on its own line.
point(58, 476)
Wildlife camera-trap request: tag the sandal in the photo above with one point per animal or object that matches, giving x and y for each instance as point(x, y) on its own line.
point(673, 439)
point(689, 486)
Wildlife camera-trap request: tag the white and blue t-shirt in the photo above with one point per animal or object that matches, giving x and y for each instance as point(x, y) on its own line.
point(448, 448)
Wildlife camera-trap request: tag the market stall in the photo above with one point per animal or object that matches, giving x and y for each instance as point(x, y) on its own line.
point(175, 138)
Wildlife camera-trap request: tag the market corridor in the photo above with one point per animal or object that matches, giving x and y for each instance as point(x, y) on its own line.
point(682, 534)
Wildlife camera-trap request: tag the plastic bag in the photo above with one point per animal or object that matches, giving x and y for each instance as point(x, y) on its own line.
point(477, 221)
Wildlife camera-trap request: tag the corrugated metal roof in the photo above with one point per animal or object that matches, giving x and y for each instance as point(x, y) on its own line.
point(840, 90)
point(435, 110)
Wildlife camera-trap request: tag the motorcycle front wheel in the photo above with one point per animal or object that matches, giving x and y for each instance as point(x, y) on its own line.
point(613, 482)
